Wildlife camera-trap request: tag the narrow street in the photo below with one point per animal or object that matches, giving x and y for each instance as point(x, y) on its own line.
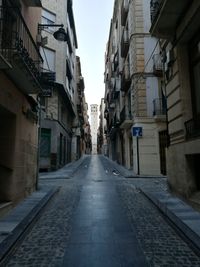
point(100, 218)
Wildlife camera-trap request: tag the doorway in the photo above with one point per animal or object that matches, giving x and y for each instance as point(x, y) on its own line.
point(163, 139)
point(7, 152)
point(197, 171)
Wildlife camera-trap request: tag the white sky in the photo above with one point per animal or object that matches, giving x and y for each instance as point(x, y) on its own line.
point(92, 21)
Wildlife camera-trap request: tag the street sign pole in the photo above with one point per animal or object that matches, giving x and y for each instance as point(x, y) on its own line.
point(137, 132)
point(138, 155)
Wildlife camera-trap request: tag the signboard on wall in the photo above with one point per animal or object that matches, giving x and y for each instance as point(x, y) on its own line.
point(137, 131)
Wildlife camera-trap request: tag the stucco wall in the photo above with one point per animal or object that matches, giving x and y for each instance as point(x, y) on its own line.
point(23, 166)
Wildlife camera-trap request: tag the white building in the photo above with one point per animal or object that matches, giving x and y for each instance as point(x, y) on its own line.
point(94, 126)
point(134, 95)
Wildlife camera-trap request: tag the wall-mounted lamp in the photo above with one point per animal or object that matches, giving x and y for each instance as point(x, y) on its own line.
point(59, 35)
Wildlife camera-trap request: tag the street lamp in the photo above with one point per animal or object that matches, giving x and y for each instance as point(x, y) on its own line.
point(59, 35)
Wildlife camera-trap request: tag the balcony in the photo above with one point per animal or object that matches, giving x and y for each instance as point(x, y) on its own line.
point(165, 15)
point(48, 77)
point(116, 121)
point(19, 55)
point(116, 88)
point(47, 80)
point(124, 12)
point(80, 111)
point(80, 86)
point(125, 118)
point(159, 108)
point(126, 79)
point(116, 61)
point(113, 127)
point(157, 65)
point(192, 128)
point(33, 3)
point(124, 43)
point(69, 72)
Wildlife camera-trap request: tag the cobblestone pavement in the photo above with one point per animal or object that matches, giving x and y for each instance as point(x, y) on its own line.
point(161, 244)
point(45, 244)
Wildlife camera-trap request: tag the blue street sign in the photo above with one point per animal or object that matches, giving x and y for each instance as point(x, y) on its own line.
point(137, 131)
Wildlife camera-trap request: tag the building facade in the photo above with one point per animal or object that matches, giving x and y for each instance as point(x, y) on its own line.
point(177, 25)
point(101, 136)
point(20, 83)
point(81, 125)
point(58, 110)
point(94, 126)
point(133, 91)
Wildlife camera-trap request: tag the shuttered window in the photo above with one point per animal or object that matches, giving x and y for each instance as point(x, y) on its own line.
point(48, 56)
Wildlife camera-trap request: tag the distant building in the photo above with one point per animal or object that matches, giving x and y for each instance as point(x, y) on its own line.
point(81, 125)
point(101, 137)
point(94, 126)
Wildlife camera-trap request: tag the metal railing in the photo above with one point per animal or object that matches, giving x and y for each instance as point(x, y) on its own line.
point(124, 43)
point(15, 37)
point(192, 128)
point(159, 107)
point(125, 79)
point(157, 64)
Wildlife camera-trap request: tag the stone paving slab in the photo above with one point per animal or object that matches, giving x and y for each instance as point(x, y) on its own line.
point(182, 215)
point(13, 225)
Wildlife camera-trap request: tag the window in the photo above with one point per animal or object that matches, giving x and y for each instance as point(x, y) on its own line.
point(49, 59)
point(48, 18)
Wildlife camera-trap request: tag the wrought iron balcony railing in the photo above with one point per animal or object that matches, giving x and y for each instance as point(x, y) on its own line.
point(125, 79)
point(116, 60)
point(124, 43)
point(80, 85)
point(17, 44)
point(159, 107)
point(192, 128)
point(157, 65)
point(116, 121)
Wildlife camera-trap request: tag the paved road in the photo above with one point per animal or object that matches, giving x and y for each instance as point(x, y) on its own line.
point(99, 218)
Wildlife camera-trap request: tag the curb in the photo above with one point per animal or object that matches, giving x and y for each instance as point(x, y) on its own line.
point(70, 169)
point(179, 213)
point(11, 240)
point(128, 173)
